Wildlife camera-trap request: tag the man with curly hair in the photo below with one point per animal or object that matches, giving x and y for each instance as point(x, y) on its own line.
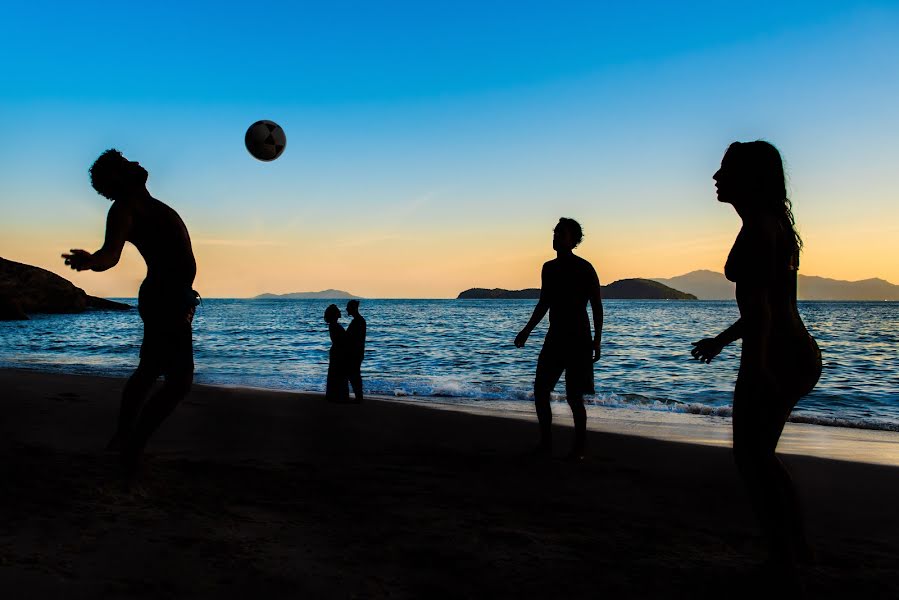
point(166, 300)
point(568, 283)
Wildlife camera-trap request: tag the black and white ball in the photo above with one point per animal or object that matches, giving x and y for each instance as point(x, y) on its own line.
point(265, 140)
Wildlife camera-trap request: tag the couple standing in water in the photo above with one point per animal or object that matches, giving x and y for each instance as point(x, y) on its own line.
point(779, 363)
point(346, 354)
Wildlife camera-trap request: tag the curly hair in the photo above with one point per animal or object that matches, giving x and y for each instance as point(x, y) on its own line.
point(573, 228)
point(760, 169)
point(105, 173)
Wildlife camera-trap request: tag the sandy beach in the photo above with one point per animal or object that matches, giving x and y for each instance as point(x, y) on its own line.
point(252, 493)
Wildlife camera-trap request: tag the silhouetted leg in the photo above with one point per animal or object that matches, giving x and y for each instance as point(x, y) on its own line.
point(355, 376)
point(549, 370)
point(790, 507)
point(545, 419)
point(133, 395)
point(794, 525)
point(158, 407)
point(579, 412)
point(757, 463)
point(758, 423)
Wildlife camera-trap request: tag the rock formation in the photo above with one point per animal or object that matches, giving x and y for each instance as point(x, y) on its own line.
point(624, 289)
point(26, 289)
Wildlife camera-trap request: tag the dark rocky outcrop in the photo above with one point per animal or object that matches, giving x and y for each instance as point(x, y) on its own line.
point(624, 289)
point(26, 289)
point(499, 294)
point(642, 289)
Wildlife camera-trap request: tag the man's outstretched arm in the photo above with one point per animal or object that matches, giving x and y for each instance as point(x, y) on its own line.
point(118, 224)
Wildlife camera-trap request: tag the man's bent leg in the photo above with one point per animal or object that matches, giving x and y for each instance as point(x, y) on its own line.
point(579, 412)
point(354, 374)
point(158, 407)
point(579, 381)
point(545, 418)
point(133, 395)
point(548, 374)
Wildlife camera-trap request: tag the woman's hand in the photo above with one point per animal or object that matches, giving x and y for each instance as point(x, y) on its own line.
point(521, 338)
point(706, 349)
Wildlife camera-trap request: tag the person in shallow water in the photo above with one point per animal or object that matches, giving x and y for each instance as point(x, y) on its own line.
point(780, 362)
point(567, 284)
point(336, 386)
point(166, 300)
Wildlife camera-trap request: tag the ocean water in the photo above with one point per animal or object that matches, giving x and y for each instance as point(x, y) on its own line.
point(461, 351)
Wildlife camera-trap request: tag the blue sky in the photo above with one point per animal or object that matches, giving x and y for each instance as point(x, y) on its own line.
point(440, 141)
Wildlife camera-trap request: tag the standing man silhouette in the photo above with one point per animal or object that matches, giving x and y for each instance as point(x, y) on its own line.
point(166, 300)
point(567, 283)
point(355, 334)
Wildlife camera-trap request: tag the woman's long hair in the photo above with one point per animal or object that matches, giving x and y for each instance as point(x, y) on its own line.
point(331, 313)
point(760, 169)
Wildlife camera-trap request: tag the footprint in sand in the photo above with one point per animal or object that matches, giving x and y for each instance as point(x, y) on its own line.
point(67, 397)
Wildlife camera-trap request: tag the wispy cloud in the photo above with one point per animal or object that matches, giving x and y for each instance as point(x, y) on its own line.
point(237, 243)
point(369, 241)
point(405, 208)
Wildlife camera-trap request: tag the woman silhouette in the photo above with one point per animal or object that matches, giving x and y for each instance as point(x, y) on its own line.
point(780, 361)
point(336, 388)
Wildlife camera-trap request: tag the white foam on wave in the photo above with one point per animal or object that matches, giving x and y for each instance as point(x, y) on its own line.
point(454, 390)
point(451, 390)
point(875, 424)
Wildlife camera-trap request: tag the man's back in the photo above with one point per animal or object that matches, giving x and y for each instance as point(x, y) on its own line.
point(356, 336)
point(162, 239)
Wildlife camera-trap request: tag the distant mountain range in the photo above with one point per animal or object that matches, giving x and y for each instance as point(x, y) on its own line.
point(710, 285)
point(322, 295)
point(624, 289)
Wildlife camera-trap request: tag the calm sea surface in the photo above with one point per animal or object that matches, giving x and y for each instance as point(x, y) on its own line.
point(461, 351)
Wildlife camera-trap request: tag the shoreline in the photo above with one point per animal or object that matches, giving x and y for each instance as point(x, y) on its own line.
point(851, 444)
point(854, 444)
point(513, 401)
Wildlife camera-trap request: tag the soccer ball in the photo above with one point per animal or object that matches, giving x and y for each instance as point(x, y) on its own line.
point(265, 140)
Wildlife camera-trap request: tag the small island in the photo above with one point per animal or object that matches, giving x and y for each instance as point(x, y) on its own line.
point(623, 289)
point(322, 295)
point(499, 294)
